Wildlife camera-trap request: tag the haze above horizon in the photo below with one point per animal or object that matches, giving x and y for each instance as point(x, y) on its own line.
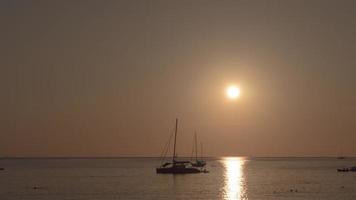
point(104, 79)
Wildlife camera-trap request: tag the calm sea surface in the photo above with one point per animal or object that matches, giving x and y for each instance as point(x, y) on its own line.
point(135, 178)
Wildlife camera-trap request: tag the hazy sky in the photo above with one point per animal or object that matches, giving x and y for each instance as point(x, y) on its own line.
point(108, 78)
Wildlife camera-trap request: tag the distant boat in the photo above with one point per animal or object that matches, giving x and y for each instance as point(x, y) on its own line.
point(177, 167)
point(347, 169)
point(201, 162)
point(343, 169)
point(340, 157)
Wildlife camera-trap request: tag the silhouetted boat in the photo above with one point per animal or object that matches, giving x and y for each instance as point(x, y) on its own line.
point(343, 169)
point(201, 162)
point(176, 167)
point(347, 169)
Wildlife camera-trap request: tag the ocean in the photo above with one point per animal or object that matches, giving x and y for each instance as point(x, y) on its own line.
point(231, 178)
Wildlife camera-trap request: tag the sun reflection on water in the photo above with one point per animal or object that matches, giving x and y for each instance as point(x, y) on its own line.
point(234, 179)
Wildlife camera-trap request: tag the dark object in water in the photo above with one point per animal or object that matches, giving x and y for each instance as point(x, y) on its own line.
point(343, 169)
point(340, 157)
point(177, 167)
point(1, 168)
point(293, 190)
point(349, 169)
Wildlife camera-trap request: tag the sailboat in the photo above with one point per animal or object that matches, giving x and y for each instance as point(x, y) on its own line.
point(201, 162)
point(176, 167)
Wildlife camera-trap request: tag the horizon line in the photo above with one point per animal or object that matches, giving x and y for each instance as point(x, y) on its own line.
point(118, 157)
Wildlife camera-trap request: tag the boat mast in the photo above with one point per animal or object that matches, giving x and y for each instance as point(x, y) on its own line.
point(175, 138)
point(201, 147)
point(196, 147)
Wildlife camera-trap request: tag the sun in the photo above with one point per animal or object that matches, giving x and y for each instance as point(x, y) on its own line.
point(233, 92)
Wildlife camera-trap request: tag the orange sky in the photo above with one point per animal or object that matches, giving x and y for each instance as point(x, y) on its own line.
point(109, 78)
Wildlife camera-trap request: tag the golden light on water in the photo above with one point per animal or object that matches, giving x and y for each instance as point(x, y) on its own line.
point(233, 92)
point(234, 188)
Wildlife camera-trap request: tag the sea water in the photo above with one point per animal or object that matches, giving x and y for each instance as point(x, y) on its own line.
point(232, 178)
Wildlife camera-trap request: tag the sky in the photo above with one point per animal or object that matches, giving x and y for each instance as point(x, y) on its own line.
point(109, 78)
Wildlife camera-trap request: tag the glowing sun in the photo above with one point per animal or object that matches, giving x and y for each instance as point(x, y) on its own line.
point(233, 92)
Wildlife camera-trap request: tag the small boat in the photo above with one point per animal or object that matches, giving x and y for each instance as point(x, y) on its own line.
point(343, 169)
point(176, 167)
point(347, 169)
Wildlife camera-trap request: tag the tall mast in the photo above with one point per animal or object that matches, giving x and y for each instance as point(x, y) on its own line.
point(201, 147)
point(175, 138)
point(196, 147)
